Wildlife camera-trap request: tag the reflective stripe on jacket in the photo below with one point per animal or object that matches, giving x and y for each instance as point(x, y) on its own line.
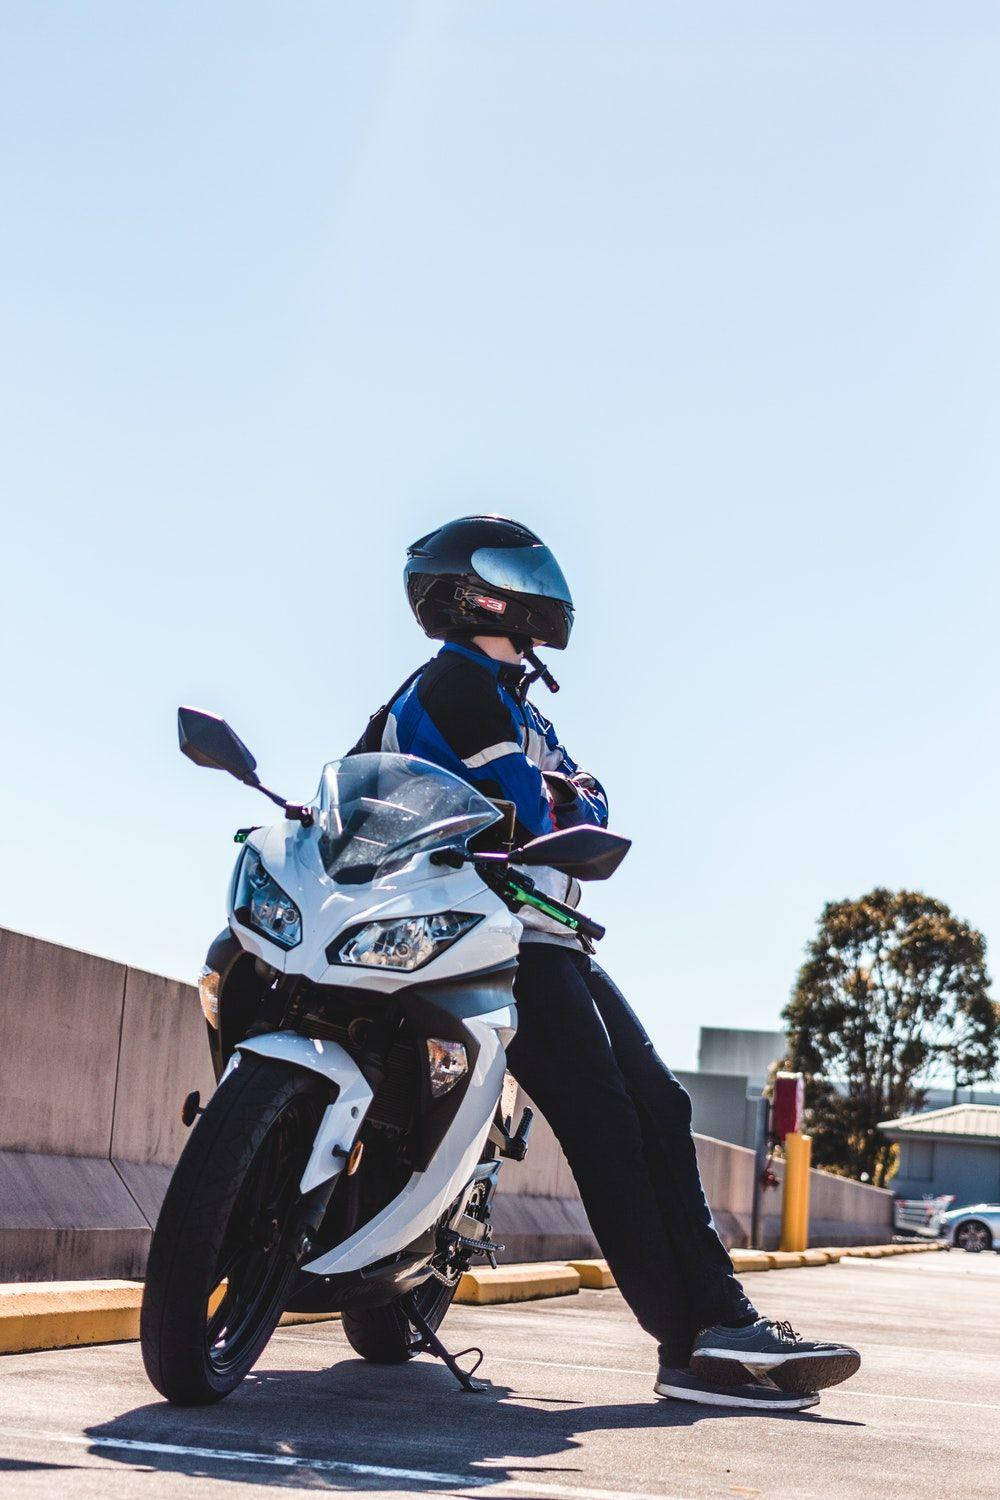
point(469, 714)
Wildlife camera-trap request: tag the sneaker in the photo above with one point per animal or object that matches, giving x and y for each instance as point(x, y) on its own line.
point(727, 1355)
point(750, 1395)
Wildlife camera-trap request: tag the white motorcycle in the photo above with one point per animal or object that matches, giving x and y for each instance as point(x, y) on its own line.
point(358, 1009)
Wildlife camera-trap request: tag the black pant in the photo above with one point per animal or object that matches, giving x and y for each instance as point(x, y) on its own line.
point(624, 1123)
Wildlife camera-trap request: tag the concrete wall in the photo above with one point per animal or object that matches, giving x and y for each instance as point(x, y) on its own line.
point(97, 1058)
point(537, 1211)
point(841, 1212)
point(538, 1206)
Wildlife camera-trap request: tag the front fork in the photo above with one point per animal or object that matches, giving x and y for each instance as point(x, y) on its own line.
point(309, 1216)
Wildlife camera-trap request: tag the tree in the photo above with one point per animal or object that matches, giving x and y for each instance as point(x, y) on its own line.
point(894, 990)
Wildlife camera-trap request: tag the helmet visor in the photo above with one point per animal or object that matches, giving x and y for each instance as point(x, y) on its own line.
point(522, 570)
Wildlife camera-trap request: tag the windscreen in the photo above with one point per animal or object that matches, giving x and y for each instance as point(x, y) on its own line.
point(374, 812)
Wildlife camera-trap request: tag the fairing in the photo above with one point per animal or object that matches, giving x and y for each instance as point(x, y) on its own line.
point(428, 1193)
point(465, 993)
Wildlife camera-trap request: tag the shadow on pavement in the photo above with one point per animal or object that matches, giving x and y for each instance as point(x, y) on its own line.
point(400, 1417)
point(24, 1465)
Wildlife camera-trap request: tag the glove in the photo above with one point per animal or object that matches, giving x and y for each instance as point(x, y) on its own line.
point(562, 792)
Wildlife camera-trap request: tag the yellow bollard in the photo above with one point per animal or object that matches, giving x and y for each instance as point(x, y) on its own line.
point(795, 1198)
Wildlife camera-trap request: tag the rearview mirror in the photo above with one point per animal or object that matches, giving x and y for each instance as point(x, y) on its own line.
point(209, 741)
point(585, 853)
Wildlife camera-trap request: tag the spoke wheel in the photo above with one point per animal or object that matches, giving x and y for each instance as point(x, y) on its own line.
point(257, 1256)
point(224, 1254)
point(974, 1237)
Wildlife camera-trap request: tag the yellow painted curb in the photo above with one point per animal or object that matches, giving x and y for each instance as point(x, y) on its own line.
point(58, 1314)
point(593, 1273)
point(817, 1257)
point(877, 1252)
point(517, 1283)
point(750, 1260)
point(61, 1314)
point(287, 1319)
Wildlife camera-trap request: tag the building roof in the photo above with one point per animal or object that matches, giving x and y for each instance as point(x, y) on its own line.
point(977, 1122)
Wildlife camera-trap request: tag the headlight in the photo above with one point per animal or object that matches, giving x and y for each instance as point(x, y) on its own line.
point(208, 994)
point(403, 943)
point(262, 904)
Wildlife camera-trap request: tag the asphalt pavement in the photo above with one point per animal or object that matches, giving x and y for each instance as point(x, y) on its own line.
point(570, 1412)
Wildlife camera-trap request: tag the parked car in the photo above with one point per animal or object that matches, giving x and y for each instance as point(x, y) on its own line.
point(974, 1228)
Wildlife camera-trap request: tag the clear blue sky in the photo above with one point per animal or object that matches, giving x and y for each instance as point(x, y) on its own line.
point(706, 295)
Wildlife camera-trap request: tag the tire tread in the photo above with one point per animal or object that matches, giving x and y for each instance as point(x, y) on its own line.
point(191, 1225)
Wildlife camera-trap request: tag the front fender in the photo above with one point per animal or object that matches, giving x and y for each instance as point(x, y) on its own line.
point(343, 1118)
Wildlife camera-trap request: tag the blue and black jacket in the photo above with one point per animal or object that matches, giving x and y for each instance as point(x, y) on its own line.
point(469, 714)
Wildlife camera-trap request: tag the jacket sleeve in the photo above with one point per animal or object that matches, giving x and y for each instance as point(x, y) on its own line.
point(587, 800)
point(465, 708)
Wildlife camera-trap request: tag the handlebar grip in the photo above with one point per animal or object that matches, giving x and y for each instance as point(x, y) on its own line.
point(519, 890)
point(585, 926)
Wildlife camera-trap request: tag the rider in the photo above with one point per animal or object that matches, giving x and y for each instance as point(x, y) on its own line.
point(491, 591)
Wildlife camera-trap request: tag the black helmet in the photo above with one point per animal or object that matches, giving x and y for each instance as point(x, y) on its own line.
point(487, 575)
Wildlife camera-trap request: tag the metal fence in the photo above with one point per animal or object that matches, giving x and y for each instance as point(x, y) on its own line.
point(921, 1216)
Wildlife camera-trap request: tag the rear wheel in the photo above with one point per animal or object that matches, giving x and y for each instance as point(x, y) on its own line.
point(973, 1236)
point(384, 1334)
point(223, 1256)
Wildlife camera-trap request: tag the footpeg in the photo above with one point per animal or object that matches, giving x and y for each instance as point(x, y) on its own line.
point(516, 1145)
point(191, 1108)
point(485, 1246)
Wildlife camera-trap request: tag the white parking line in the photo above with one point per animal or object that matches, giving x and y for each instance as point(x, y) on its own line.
point(303, 1338)
point(331, 1465)
point(238, 1456)
point(930, 1400)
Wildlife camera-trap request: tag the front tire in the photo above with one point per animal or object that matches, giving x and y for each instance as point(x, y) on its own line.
point(222, 1262)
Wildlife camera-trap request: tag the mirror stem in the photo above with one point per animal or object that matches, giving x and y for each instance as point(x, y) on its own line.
point(297, 811)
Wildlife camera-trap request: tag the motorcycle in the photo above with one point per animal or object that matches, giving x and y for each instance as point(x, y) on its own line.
point(358, 1008)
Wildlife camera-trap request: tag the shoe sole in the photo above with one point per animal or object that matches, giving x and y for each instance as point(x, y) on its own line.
point(794, 1373)
point(799, 1401)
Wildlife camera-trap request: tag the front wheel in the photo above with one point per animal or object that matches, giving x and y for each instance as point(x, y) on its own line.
point(223, 1256)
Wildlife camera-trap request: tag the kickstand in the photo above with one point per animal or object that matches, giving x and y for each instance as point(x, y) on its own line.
point(431, 1344)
